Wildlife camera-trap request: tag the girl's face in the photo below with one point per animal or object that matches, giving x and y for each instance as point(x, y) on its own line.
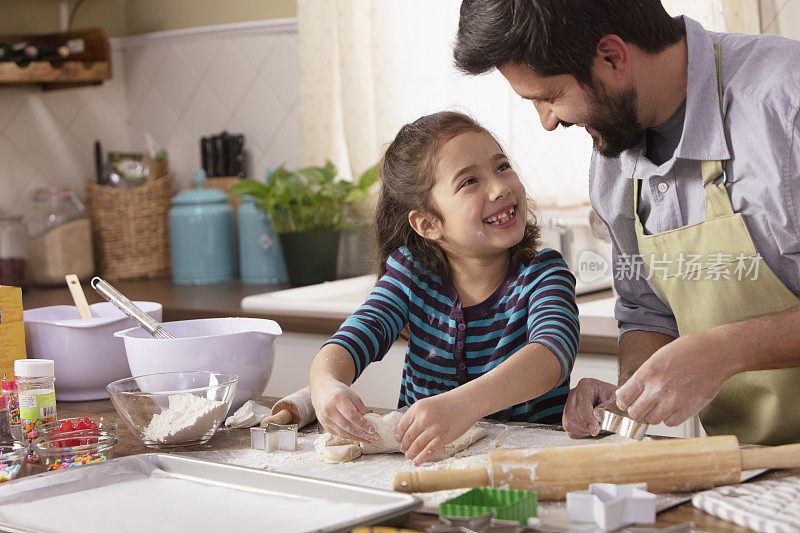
point(481, 199)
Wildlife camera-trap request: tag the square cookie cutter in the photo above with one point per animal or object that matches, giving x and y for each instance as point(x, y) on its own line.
point(274, 437)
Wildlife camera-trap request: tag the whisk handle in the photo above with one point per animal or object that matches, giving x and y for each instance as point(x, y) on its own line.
point(123, 304)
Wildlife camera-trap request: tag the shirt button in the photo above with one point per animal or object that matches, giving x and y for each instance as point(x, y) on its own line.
point(459, 345)
point(461, 327)
point(662, 187)
point(462, 366)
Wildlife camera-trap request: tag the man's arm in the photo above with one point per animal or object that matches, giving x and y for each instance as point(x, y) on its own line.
point(685, 375)
point(635, 348)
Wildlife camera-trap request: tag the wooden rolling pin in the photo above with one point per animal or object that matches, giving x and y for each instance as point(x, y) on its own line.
point(674, 465)
point(294, 409)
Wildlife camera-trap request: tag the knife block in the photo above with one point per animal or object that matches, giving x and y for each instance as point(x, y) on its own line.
point(224, 183)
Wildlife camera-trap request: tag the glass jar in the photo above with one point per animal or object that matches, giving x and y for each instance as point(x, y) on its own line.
point(60, 237)
point(37, 394)
point(13, 244)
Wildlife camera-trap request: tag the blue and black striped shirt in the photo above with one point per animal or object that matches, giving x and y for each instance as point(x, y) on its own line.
point(450, 345)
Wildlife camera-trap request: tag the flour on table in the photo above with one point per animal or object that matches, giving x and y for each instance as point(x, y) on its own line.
point(187, 418)
point(332, 449)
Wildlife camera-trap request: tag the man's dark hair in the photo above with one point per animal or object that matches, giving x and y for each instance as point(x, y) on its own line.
point(556, 36)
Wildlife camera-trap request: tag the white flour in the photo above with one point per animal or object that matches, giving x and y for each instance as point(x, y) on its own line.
point(187, 419)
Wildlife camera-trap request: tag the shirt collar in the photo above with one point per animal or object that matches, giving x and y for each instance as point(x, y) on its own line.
point(703, 136)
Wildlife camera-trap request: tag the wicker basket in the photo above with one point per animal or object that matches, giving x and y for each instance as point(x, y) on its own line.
point(130, 230)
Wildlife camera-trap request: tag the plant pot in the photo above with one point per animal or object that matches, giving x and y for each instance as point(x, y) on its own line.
point(310, 256)
point(355, 252)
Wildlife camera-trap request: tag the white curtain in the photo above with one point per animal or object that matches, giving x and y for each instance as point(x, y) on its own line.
point(369, 66)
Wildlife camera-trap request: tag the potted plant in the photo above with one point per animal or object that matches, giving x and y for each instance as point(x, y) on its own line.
point(309, 209)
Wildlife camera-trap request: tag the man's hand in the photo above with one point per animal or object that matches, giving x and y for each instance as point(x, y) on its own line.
point(583, 410)
point(431, 424)
point(678, 380)
point(340, 411)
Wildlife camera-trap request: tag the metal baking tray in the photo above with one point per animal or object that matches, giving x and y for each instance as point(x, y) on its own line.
point(159, 492)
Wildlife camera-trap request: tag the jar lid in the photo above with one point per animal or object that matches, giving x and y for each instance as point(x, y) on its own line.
point(199, 195)
point(34, 368)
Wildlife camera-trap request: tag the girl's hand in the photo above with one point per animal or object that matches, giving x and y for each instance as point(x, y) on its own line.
point(431, 424)
point(340, 411)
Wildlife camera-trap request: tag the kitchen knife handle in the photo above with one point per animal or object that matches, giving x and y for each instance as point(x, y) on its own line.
point(786, 456)
point(433, 480)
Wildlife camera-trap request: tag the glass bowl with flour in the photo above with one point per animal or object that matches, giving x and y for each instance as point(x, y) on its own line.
point(174, 409)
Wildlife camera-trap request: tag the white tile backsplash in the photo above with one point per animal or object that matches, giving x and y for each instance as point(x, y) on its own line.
point(176, 86)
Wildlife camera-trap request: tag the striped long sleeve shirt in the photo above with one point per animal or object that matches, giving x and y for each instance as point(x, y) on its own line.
point(450, 344)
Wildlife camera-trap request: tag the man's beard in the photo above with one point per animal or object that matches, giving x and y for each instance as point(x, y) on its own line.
point(614, 118)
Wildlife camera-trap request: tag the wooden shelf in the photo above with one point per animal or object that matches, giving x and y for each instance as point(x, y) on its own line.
point(89, 67)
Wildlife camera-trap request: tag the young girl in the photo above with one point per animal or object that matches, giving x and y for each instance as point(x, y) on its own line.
point(493, 325)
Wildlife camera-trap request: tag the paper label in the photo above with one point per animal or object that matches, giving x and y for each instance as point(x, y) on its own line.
point(37, 404)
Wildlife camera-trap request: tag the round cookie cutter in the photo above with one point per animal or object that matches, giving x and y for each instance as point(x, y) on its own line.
point(618, 421)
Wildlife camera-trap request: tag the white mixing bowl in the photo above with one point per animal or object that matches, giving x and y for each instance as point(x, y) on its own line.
point(87, 355)
point(242, 346)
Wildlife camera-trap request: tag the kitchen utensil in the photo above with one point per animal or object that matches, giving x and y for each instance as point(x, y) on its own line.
point(126, 306)
point(87, 355)
point(612, 506)
point(281, 437)
point(618, 421)
point(78, 297)
point(506, 504)
point(209, 496)
point(665, 465)
point(174, 409)
point(293, 409)
point(243, 346)
point(98, 163)
point(202, 235)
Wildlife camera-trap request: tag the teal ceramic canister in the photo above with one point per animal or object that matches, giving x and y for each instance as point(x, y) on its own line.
point(202, 235)
point(260, 254)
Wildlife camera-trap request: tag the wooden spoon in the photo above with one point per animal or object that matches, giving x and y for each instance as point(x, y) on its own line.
point(77, 296)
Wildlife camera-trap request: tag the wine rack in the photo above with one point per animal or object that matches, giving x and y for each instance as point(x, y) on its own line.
point(90, 66)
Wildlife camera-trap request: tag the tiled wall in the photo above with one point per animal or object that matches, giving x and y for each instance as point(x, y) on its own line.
point(781, 17)
point(177, 86)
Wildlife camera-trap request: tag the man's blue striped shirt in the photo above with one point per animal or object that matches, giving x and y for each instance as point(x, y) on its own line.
point(450, 345)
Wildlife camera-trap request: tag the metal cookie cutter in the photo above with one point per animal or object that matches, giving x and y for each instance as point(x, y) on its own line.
point(274, 437)
point(618, 421)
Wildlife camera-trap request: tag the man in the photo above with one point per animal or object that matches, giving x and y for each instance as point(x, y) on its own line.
point(696, 172)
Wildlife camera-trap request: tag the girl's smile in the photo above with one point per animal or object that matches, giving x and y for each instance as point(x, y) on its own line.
point(505, 218)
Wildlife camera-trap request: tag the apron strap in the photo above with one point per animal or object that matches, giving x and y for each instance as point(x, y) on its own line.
point(717, 201)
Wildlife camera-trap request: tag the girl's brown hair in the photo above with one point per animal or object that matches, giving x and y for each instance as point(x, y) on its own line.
point(407, 172)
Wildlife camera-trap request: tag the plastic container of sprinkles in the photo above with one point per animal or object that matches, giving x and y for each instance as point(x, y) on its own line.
point(66, 450)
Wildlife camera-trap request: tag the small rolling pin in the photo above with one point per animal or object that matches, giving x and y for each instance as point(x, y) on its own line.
point(294, 409)
point(674, 465)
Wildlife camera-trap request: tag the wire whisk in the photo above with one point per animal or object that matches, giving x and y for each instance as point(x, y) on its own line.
point(147, 322)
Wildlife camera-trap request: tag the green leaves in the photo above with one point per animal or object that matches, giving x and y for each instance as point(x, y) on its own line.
point(309, 199)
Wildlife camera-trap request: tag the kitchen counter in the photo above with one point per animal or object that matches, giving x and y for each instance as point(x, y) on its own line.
point(239, 439)
point(183, 302)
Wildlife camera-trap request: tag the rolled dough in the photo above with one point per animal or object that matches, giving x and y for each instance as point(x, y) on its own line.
point(333, 449)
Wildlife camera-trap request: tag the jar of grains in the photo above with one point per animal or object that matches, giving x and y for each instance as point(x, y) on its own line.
point(60, 237)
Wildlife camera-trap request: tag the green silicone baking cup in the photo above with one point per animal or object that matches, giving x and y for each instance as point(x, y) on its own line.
point(506, 504)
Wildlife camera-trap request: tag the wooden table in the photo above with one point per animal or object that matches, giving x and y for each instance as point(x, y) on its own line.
point(239, 439)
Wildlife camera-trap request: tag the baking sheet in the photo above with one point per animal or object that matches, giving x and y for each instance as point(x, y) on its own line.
point(377, 470)
point(167, 493)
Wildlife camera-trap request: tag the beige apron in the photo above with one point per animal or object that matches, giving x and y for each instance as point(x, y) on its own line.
point(710, 273)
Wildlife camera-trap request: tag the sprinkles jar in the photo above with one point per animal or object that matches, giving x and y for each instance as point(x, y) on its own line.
point(37, 394)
